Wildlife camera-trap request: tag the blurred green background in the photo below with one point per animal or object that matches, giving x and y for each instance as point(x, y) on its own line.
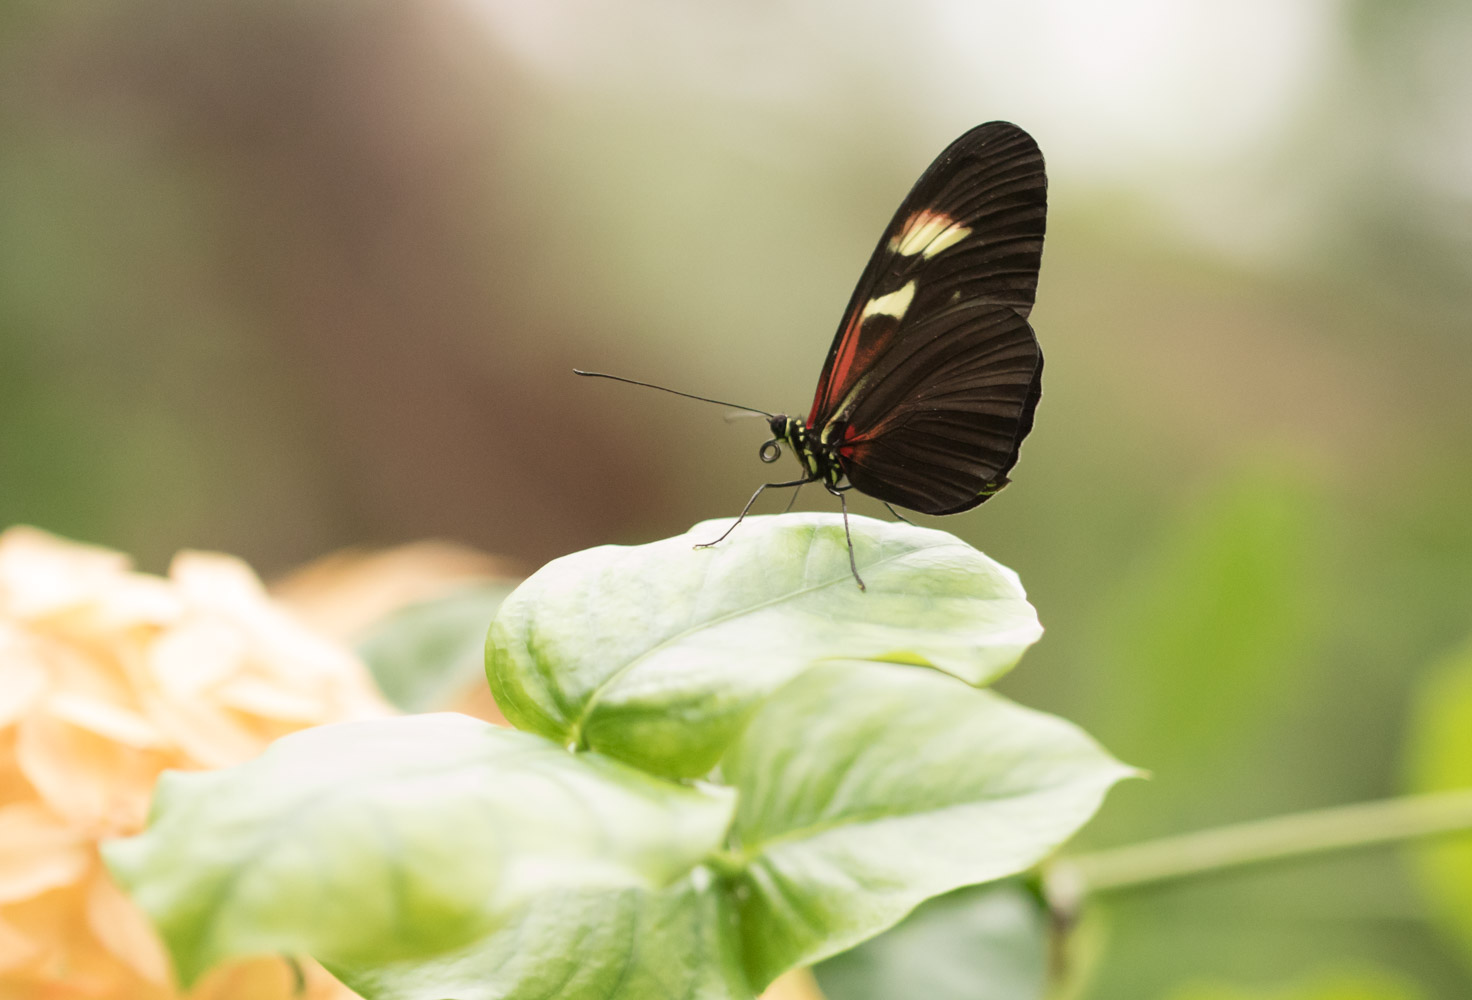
point(278, 277)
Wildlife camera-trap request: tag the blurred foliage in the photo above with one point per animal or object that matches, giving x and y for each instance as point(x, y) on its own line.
point(1245, 665)
point(1205, 636)
point(277, 277)
point(983, 943)
point(1335, 986)
point(425, 654)
point(1441, 758)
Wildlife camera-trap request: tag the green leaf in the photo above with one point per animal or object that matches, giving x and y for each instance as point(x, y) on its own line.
point(655, 654)
point(397, 839)
point(1441, 760)
point(424, 654)
point(1208, 632)
point(866, 789)
point(983, 943)
point(674, 944)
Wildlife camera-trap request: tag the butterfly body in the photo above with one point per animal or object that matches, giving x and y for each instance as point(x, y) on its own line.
point(818, 454)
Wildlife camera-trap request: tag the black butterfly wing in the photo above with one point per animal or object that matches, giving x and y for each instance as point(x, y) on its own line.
point(934, 376)
point(971, 229)
point(938, 429)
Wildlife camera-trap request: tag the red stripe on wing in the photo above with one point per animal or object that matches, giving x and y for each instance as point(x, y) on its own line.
point(837, 379)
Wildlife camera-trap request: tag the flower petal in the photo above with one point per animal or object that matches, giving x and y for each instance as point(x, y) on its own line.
point(101, 787)
point(16, 949)
point(207, 734)
point(111, 722)
point(123, 930)
point(190, 659)
point(260, 697)
point(21, 680)
point(214, 580)
point(38, 852)
point(41, 574)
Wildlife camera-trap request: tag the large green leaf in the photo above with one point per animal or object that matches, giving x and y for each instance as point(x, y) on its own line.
point(984, 943)
point(656, 653)
point(397, 839)
point(866, 789)
point(423, 655)
point(1441, 760)
point(674, 944)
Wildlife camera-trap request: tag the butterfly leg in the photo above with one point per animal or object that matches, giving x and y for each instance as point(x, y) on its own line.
point(759, 491)
point(899, 515)
point(792, 501)
point(843, 503)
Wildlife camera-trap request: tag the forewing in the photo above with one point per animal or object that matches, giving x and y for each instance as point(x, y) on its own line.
point(970, 231)
point(937, 428)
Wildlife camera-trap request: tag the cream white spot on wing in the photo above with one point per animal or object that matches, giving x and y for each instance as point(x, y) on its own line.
point(928, 233)
point(894, 304)
point(949, 238)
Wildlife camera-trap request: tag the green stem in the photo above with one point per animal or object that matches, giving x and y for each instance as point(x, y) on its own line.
point(1280, 838)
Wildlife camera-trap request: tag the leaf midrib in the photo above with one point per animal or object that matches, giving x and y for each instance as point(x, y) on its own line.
point(575, 731)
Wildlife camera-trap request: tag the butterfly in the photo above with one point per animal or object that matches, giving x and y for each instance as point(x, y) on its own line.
point(934, 374)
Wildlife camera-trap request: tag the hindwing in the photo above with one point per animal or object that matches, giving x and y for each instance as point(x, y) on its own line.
point(939, 429)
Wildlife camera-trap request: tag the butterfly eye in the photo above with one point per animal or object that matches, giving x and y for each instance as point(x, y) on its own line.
point(771, 451)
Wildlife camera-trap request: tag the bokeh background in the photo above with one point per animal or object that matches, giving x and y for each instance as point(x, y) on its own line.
point(280, 276)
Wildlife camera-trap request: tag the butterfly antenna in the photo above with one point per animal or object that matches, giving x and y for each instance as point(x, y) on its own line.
point(687, 395)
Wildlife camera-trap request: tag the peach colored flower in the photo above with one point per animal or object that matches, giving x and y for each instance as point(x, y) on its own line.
point(107, 677)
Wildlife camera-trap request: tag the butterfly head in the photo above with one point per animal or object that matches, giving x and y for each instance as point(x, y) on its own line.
point(784, 429)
